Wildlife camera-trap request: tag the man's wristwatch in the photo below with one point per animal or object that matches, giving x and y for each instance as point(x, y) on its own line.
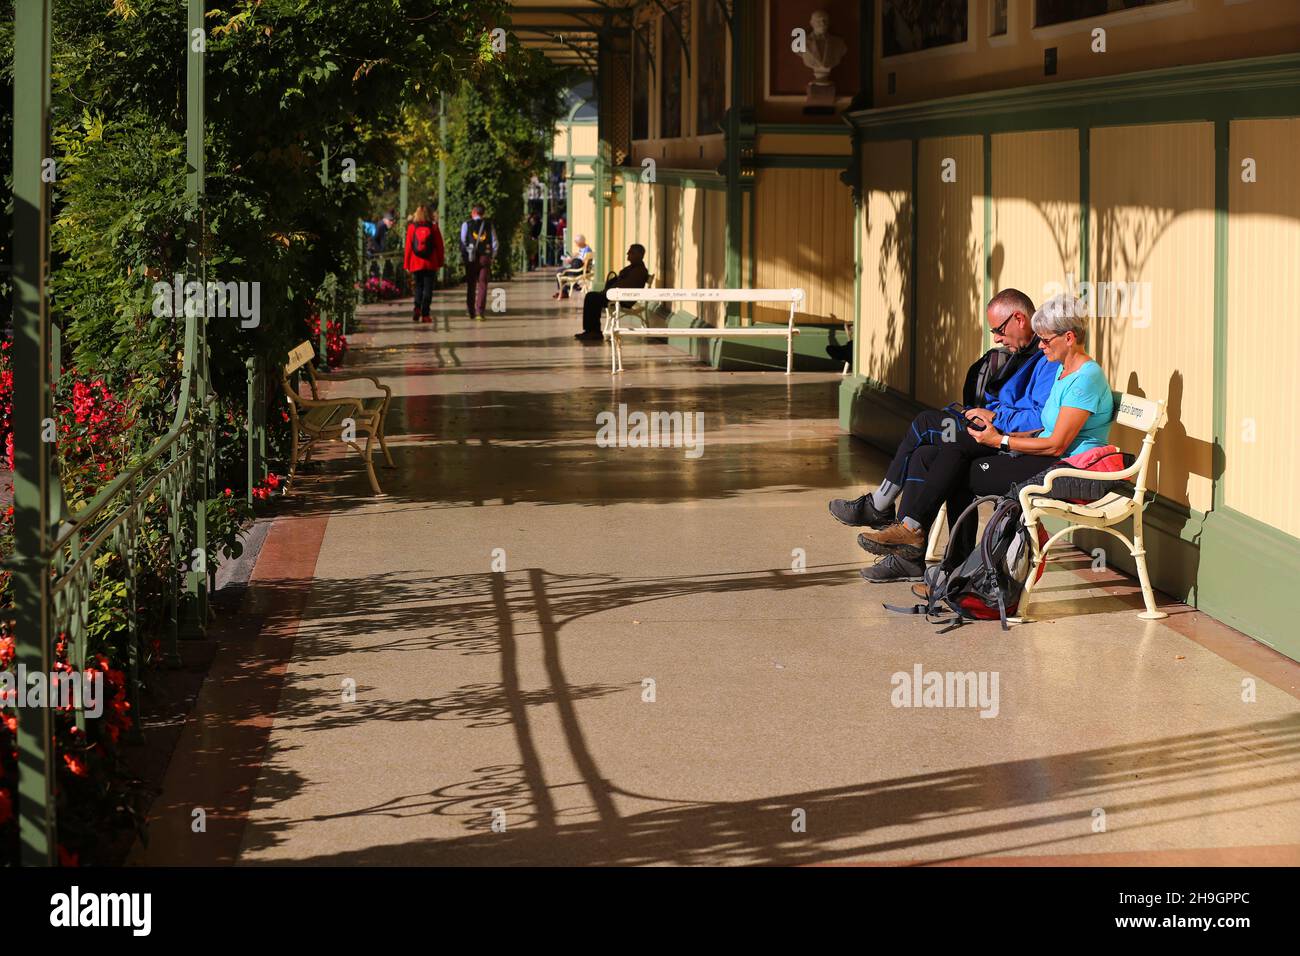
point(1005, 444)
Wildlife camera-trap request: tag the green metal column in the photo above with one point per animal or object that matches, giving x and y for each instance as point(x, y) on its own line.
point(35, 475)
point(443, 223)
point(196, 583)
point(740, 128)
point(403, 200)
point(600, 166)
point(544, 238)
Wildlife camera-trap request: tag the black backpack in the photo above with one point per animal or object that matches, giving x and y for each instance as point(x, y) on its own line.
point(986, 583)
point(422, 244)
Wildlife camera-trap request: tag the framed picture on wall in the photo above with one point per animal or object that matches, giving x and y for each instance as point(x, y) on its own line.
point(910, 26)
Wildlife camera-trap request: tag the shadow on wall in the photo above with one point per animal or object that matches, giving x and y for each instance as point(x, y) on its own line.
point(889, 363)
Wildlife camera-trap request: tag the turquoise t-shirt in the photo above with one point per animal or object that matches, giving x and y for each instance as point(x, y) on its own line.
point(1086, 387)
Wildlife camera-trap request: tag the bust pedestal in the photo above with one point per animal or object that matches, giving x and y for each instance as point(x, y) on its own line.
point(820, 99)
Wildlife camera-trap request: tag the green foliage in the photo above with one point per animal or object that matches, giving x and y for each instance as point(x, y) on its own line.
point(498, 130)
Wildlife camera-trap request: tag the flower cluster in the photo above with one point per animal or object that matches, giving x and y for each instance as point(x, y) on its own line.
point(268, 488)
point(7, 403)
point(336, 343)
point(379, 289)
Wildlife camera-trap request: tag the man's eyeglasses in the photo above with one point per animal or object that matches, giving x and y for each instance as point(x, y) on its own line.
point(1002, 327)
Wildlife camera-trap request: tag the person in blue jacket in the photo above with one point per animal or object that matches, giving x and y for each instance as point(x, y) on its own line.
point(1013, 400)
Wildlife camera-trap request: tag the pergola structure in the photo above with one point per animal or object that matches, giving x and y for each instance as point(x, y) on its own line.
point(597, 36)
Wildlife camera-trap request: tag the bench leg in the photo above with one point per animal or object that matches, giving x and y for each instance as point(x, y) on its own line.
point(1140, 559)
point(383, 442)
point(370, 466)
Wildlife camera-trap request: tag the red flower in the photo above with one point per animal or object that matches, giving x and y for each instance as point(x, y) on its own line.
point(77, 766)
point(6, 805)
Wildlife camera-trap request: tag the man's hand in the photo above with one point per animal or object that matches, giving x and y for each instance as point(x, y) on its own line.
point(981, 415)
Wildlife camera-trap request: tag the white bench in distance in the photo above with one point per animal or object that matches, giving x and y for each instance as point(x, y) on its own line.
point(787, 331)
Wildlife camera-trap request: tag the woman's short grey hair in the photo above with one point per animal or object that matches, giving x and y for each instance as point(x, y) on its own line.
point(1061, 314)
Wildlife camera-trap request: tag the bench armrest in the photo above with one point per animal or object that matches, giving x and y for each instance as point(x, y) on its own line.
point(388, 392)
point(328, 402)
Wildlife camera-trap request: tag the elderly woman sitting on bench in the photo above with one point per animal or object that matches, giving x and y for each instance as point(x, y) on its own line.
point(1077, 416)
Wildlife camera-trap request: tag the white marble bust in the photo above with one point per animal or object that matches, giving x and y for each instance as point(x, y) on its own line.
point(824, 51)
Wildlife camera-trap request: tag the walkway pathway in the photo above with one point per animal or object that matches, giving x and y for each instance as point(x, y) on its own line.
point(521, 697)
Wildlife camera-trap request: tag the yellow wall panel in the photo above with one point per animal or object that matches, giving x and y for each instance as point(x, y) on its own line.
point(1261, 454)
point(950, 267)
point(1036, 218)
point(804, 239)
point(1152, 223)
point(882, 339)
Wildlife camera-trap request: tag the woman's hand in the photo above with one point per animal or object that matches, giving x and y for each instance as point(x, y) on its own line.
point(989, 436)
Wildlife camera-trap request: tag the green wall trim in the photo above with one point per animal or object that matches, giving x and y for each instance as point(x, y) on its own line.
point(690, 178)
point(1219, 413)
point(802, 161)
point(803, 129)
point(1247, 571)
point(986, 334)
point(1260, 87)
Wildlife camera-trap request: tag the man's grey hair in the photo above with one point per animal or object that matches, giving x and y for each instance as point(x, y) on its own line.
point(1012, 300)
point(1061, 314)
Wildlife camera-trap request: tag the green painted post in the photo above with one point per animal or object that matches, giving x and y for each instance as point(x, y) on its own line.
point(543, 254)
point(443, 223)
point(739, 126)
point(250, 366)
point(196, 580)
point(402, 203)
point(34, 465)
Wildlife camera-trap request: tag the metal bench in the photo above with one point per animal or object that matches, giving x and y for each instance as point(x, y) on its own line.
point(316, 419)
point(787, 331)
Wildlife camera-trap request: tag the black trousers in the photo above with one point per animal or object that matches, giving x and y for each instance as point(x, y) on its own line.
point(423, 283)
point(931, 461)
point(592, 306)
point(990, 476)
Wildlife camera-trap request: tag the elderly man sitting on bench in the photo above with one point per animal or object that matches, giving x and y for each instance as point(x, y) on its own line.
point(1012, 395)
point(634, 276)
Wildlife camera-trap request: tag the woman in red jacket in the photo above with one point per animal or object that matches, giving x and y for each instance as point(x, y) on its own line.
point(424, 257)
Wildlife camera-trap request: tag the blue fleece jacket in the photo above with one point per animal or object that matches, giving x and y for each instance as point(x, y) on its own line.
point(1018, 405)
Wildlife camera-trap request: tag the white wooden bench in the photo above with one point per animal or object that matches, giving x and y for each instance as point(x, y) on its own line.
point(1142, 415)
point(787, 331)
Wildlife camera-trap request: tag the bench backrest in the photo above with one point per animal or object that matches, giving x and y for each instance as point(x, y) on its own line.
point(648, 294)
point(1147, 417)
point(706, 295)
point(300, 357)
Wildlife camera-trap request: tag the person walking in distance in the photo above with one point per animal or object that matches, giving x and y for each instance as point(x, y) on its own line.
point(424, 257)
point(478, 246)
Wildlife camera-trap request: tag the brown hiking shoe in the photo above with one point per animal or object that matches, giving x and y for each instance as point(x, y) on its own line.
point(896, 538)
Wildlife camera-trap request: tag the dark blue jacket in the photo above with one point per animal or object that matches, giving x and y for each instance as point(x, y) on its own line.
point(1018, 405)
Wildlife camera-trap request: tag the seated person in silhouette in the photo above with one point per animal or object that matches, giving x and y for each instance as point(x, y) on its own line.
point(581, 253)
point(634, 276)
